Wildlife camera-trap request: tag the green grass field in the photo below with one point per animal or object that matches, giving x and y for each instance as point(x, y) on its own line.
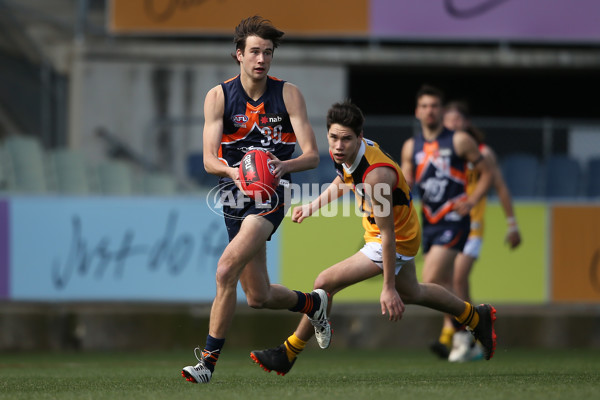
point(331, 374)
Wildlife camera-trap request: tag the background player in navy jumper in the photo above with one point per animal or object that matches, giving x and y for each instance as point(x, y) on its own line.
point(253, 111)
point(434, 162)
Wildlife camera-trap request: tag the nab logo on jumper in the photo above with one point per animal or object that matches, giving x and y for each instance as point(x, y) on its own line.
point(271, 120)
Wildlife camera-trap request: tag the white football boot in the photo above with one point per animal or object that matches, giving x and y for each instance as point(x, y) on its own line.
point(198, 373)
point(320, 321)
point(465, 348)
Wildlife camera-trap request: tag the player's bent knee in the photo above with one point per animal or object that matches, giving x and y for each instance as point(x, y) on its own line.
point(322, 283)
point(256, 301)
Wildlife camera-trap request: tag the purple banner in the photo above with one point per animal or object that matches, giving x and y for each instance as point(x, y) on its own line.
point(4, 251)
point(519, 20)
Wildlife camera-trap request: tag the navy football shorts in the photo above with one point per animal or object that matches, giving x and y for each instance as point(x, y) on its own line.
point(452, 235)
point(237, 206)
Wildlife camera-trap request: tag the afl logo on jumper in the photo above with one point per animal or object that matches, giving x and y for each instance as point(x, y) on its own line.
point(239, 120)
point(269, 120)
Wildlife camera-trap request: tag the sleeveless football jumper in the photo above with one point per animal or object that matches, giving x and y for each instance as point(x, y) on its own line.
point(440, 179)
point(261, 124)
point(248, 125)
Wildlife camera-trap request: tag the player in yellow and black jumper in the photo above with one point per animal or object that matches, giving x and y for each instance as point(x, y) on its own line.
point(392, 239)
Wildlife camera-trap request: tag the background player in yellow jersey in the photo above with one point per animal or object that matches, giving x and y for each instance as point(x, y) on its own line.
point(456, 118)
point(392, 239)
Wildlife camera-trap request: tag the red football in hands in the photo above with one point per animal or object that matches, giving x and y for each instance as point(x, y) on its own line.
point(257, 179)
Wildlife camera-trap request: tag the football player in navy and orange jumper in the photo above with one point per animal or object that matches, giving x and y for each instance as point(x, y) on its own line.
point(392, 239)
point(253, 111)
point(435, 163)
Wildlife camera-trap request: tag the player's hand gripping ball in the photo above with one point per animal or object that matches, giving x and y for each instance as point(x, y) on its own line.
point(256, 175)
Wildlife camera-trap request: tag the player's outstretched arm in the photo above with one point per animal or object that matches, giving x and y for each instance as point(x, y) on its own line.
point(333, 192)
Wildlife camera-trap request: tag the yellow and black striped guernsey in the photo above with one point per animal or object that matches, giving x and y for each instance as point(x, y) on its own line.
point(406, 221)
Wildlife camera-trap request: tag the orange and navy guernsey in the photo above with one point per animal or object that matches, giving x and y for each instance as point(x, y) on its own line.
point(478, 211)
point(440, 177)
point(406, 220)
point(261, 124)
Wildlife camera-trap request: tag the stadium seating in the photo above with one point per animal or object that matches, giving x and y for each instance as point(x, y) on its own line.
point(70, 172)
point(27, 168)
point(593, 177)
point(521, 172)
point(27, 165)
point(158, 184)
point(115, 178)
point(562, 177)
